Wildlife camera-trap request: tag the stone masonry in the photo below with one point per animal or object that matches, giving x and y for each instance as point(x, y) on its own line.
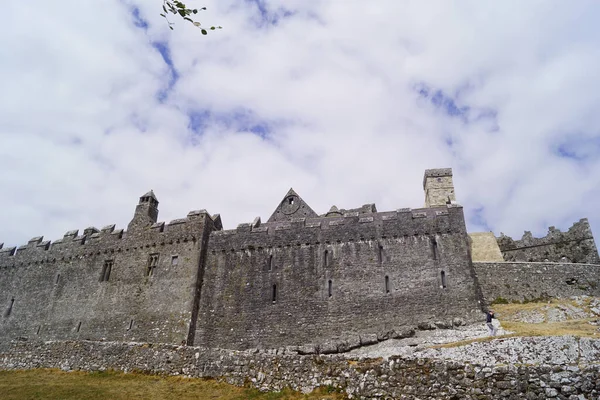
point(323, 282)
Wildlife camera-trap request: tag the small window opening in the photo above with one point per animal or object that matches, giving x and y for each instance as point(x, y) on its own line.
point(10, 307)
point(152, 264)
point(270, 262)
point(57, 279)
point(326, 258)
point(79, 326)
point(108, 264)
point(330, 288)
point(434, 248)
point(387, 284)
point(443, 274)
point(274, 294)
point(130, 325)
point(380, 254)
point(174, 260)
point(37, 332)
point(291, 200)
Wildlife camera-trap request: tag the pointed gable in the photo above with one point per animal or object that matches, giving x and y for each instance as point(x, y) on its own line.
point(292, 206)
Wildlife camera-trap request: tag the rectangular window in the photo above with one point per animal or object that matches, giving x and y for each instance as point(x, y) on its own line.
point(152, 264)
point(174, 260)
point(10, 307)
point(443, 274)
point(326, 258)
point(330, 288)
point(79, 326)
point(130, 325)
point(274, 294)
point(387, 284)
point(270, 262)
point(380, 254)
point(434, 248)
point(57, 279)
point(108, 264)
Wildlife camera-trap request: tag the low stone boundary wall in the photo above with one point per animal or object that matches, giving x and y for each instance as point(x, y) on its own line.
point(396, 377)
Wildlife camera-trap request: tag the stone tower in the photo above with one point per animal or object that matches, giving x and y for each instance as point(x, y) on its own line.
point(438, 186)
point(146, 212)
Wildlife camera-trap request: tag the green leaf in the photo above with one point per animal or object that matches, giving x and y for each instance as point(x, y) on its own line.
point(188, 19)
point(196, 23)
point(170, 27)
point(204, 32)
point(195, 11)
point(163, 15)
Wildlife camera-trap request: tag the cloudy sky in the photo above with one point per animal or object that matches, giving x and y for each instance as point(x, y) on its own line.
point(346, 101)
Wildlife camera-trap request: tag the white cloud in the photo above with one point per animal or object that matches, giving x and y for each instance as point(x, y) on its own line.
point(84, 134)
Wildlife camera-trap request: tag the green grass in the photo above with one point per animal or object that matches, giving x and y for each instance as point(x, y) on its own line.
point(56, 384)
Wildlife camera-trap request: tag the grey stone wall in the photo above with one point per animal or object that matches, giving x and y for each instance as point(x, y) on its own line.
point(329, 275)
point(519, 281)
point(576, 377)
point(56, 290)
point(576, 245)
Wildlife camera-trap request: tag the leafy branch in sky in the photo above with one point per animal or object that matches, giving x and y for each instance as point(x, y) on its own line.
point(179, 8)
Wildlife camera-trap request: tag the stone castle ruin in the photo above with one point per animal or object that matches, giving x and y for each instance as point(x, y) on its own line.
point(320, 283)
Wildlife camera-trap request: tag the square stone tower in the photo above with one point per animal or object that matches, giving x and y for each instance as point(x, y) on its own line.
point(438, 186)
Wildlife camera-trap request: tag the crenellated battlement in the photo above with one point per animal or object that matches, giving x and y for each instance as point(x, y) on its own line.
point(576, 245)
point(351, 225)
point(108, 239)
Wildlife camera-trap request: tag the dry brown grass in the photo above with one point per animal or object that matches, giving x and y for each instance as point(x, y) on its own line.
point(508, 314)
point(46, 384)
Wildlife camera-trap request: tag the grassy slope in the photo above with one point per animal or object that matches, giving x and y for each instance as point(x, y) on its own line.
point(55, 384)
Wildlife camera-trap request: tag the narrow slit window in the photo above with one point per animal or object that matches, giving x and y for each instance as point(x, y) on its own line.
point(152, 264)
point(274, 294)
point(387, 284)
point(443, 275)
point(57, 279)
point(174, 260)
point(130, 325)
point(380, 254)
point(37, 332)
point(330, 288)
point(79, 326)
point(106, 269)
point(10, 307)
point(434, 248)
point(326, 258)
point(270, 262)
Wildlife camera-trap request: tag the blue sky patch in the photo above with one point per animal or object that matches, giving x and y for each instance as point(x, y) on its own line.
point(165, 52)
point(578, 148)
point(270, 17)
point(138, 21)
point(452, 107)
point(240, 120)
